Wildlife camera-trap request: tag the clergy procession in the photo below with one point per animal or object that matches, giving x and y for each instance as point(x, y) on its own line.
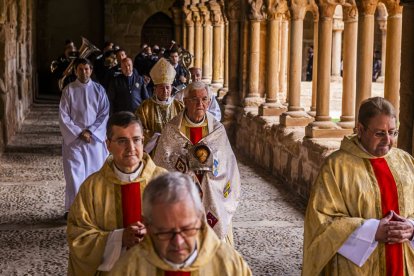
point(207, 137)
point(152, 183)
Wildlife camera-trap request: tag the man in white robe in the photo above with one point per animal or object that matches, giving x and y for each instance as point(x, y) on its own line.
point(83, 114)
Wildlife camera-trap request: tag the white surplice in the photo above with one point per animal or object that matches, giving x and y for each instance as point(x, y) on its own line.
point(82, 106)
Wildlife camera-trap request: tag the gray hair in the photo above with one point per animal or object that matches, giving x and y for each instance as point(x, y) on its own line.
point(195, 86)
point(170, 188)
point(372, 107)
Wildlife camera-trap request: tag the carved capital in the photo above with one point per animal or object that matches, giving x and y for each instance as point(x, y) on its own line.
point(196, 17)
point(350, 14)
point(297, 9)
point(205, 15)
point(177, 15)
point(366, 7)
point(188, 17)
point(233, 10)
point(256, 10)
point(393, 7)
point(216, 18)
point(276, 8)
point(216, 15)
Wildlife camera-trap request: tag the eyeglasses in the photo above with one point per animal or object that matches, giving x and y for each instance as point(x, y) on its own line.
point(383, 133)
point(123, 142)
point(185, 233)
point(196, 100)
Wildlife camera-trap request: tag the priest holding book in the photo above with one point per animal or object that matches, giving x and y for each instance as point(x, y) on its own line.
point(105, 218)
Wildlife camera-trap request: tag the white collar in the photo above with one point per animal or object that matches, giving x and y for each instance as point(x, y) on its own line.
point(128, 177)
point(191, 123)
point(167, 102)
point(190, 260)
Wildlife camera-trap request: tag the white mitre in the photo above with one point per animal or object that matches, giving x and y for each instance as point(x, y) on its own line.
point(162, 72)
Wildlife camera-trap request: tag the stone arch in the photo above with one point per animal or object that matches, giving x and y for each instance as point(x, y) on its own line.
point(158, 29)
point(130, 36)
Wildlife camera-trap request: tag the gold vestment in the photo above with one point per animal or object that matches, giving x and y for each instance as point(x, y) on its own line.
point(154, 116)
point(96, 211)
point(344, 195)
point(214, 258)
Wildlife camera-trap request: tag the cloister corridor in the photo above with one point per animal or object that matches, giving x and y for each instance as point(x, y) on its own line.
point(268, 224)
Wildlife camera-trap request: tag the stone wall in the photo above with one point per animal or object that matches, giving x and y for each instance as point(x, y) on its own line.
point(124, 20)
point(282, 151)
point(16, 73)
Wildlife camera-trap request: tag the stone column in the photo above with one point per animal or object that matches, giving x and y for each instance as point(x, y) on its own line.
point(295, 116)
point(207, 59)
point(231, 100)
point(338, 27)
point(244, 59)
point(365, 50)
point(217, 21)
point(347, 119)
point(190, 34)
point(323, 127)
point(178, 22)
point(284, 46)
point(222, 91)
point(312, 111)
point(393, 58)
point(184, 32)
point(382, 22)
point(255, 16)
point(272, 106)
point(198, 57)
point(254, 50)
point(406, 118)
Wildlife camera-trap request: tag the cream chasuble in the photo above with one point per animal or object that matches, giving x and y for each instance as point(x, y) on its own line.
point(220, 187)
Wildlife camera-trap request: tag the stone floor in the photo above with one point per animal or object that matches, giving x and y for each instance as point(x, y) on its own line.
point(268, 226)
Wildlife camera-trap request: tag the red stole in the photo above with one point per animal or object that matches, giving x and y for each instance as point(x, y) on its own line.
point(196, 134)
point(177, 273)
point(131, 203)
point(389, 201)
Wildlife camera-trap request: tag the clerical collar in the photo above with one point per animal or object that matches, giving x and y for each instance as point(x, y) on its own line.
point(190, 260)
point(128, 177)
point(191, 123)
point(362, 147)
point(167, 102)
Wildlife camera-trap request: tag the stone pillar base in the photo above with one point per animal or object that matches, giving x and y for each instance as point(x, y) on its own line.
point(252, 101)
point(346, 125)
point(380, 79)
point(222, 92)
point(336, 79)
point(217, 85)
point(271, 109)
point(326, 129)
point(312, 113)
point(206, 80)
point(214, 89)
point(295, 118)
